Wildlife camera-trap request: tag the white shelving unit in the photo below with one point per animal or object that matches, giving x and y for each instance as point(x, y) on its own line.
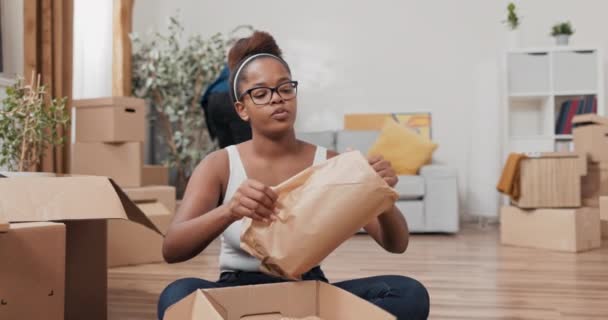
point(538, 81)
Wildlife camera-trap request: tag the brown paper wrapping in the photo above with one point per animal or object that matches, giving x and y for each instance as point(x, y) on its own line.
point(319, 209)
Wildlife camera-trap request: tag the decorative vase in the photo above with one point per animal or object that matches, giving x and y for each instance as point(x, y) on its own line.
point(562, 39)
point(513, 38)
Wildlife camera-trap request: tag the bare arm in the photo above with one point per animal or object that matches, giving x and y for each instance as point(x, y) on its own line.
point(390, 229)
point(200, 220)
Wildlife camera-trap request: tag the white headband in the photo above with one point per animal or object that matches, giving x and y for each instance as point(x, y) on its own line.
point(236, 75)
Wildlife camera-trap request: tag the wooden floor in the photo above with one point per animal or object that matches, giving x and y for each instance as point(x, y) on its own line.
point(469, 276)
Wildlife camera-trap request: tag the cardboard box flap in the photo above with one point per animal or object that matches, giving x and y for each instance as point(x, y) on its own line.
point(287, 299)
point(580, 155)
point(274, 301)
point(589, 119)
point(193, 307)
point(108, 101)
point(183, 309)
point(335, 303)
point(132, 211)
point(535, 155)
point(28, 199)
point(153, 208)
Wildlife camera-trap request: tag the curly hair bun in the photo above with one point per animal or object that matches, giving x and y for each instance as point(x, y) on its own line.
point(258, 42)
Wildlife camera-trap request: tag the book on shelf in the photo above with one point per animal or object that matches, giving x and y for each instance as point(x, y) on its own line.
point(572, 107)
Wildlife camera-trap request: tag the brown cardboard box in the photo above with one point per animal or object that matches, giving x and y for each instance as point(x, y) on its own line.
point(273, 301)
point(162, 194)
point(84, 204)
point(123, 162)
point(595, 184)
point(570, 230)
point(114, 119)
point(131, 243)
point(155, 175)
point(604, 216)
point(590, 136)
point(551, 180)
point(32, 271)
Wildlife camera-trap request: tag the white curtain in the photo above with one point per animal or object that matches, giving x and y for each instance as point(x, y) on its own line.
point(485, 144)
point(92, 49)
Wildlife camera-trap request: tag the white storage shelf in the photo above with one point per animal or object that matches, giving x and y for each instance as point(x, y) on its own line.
point(529, 116)
point(538, 81)
point(529, 73)
point(575, 71)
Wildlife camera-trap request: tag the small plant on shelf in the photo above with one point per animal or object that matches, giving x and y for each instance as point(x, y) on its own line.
point(512, 18)
point(562, 32)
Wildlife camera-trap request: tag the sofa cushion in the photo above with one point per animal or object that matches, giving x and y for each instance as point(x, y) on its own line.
point(357, 140)
point(410, 187)
point(405, 149)
point(325, 139)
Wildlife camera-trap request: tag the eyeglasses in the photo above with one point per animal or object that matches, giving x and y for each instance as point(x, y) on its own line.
point(263, 95)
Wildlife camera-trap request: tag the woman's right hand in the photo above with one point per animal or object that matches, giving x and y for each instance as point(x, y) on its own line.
point(255, 200)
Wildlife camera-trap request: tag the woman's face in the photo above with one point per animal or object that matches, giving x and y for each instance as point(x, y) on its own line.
point(268, 112)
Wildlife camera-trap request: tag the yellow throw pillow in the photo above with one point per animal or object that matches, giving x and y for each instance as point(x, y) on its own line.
point(406, 150)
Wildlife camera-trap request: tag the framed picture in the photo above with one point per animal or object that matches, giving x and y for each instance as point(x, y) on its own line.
point(420, 122)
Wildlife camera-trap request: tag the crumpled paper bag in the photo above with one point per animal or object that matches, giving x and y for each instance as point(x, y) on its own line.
point(319, 209)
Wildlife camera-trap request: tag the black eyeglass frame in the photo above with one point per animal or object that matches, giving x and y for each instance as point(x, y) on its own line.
point(294, 83)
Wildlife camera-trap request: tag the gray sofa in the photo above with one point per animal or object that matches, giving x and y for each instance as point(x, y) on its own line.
point(428, 200)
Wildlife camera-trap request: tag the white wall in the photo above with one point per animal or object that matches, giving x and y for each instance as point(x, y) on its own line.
point(399, 56)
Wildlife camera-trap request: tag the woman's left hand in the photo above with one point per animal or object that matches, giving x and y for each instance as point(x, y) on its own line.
point(384, 169)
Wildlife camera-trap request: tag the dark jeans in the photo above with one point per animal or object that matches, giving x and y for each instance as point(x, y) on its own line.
point(404, 297)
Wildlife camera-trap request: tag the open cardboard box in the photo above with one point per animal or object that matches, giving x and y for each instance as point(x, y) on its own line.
point(274, 301)
point(84, 204)
point(32, 271)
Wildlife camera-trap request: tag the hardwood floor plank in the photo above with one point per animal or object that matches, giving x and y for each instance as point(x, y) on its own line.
point(469, 276)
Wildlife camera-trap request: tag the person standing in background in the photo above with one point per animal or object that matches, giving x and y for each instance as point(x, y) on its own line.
point(223, 122)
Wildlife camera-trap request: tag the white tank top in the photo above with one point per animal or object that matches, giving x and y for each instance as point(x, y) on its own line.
point(232, 257)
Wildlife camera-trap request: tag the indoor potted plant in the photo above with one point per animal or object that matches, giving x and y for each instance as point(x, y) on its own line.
point(512, 23)
point(29, 124)
point(171, 74)
point(562, 32)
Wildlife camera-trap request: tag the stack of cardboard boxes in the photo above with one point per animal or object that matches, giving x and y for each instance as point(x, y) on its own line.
point(558, 207)
point(108, 140)
point(591, 137)
point(53, 245)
